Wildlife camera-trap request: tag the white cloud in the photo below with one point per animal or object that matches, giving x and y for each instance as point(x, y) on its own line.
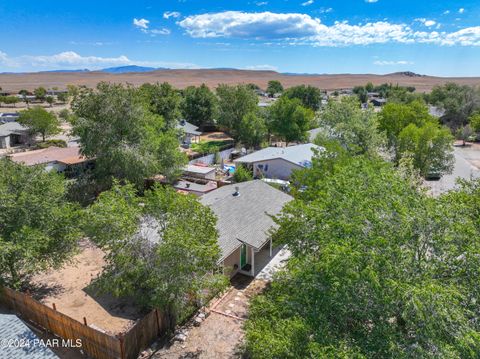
point(461, 10)
point(426, 22)
point(261, 3)
point(392, 63)
point(162, 31)
point(446, 12)
point(371, 1)
point(141, 23)
point(168, 14)
point(307, 3)
point(69, 60)
point(302, 29)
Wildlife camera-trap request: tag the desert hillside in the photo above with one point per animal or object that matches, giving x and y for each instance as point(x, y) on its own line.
point(184, 78)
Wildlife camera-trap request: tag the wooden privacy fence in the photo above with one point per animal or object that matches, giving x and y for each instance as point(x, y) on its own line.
point(95, 343)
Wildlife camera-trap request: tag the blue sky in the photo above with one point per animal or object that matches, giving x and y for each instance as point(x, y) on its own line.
point(303, 36)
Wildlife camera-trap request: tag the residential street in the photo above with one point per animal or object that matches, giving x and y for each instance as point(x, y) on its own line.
point(467, 162)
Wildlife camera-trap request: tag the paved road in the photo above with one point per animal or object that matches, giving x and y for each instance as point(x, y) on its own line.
point(464, 168)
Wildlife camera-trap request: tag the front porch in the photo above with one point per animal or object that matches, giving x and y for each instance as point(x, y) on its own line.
point(264, 262)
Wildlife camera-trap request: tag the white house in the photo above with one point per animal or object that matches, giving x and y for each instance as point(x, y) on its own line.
point(279, 162)
point(244, 219)
point(190, 132)
point(13, 134)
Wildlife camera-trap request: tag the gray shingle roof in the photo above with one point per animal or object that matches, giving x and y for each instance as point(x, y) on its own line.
point(300, 155)
point(12, 128)
point(11, 327)
point(188, 128)
point(245, 218)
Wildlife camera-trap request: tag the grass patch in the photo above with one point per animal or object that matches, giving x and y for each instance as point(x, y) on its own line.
point(210, 146)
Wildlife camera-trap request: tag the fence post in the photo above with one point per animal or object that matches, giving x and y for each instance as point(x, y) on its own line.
point(122, 349)
point(54, 306)
point(158, 322)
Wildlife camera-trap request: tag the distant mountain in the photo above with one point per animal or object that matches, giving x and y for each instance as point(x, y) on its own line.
point(127, 69)
point(79, 70)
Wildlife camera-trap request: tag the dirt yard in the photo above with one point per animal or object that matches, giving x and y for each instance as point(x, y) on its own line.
point(69, 289)
point(221, 334)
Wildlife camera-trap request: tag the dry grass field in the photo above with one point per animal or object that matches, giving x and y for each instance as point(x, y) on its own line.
point(184, 78)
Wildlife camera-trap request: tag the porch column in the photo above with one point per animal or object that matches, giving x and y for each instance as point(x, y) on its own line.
point(253, 263)
point(270, 247)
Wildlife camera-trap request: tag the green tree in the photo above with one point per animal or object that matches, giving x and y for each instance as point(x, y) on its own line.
point(63, 97)
point(274, 87)
point(242, 174)
point(459, 102)
point(164, 100)
point(396, 116)
point(378, 270)
point(40, 121)
point(431, 147)
point(24, 93)
point(463, 134)
point(361, 93)
point(253, 130)
point(163, 252)
point(38, 227)
point(355, 129)
point(369, 87)
point(289, 120)
point(200, 105)
point(10, 100)
point(234, 103)
point(50, 100)
point(40, 93)
point(474, 121)
point(127, 141)
point(310, 96)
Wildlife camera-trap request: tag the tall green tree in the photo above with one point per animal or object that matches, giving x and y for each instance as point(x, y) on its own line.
point(164, 100)
point(200, 105)
point(459, 102)
point(310, 96)
point(39, 229)
point(40, 121)
point(40, 93)
point(253, 130)
point(128, 142)
point(356, 130)
point(378, 270)
point(234, 103)
point(289, 120)
point(430, 146)
point(161, 249)
point(274, 87)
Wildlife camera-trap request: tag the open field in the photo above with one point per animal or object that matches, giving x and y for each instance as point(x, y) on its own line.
point(184, 78)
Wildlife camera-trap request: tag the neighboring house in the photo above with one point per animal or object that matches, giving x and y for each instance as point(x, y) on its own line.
point(244, 222)
point(378, 102)
point(16, 332)
point(13, 134)
point(197, 188)
point(279, 162)
point(8, 117)
point(67, 160)
point(436, 111)
point(190, 132)
point(202, 172)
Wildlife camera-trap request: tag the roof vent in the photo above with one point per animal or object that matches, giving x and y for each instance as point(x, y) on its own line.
point(237, 192)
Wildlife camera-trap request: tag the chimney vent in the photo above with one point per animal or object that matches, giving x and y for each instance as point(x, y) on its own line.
point(237, 192)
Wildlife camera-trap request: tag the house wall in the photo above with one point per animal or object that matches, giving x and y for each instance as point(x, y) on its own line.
point(5, 142)
point(229, 263)
point(274, 169)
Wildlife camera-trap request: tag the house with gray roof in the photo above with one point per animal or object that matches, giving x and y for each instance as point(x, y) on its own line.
point(279, 162)
point(244, 222)
point(190, 132)
point(13, 134)
point(19, 341)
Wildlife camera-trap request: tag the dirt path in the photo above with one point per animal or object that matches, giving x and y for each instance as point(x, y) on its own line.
point(221, 333)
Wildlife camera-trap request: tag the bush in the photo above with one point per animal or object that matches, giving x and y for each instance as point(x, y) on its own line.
point(242, 174)
point(50, 143)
